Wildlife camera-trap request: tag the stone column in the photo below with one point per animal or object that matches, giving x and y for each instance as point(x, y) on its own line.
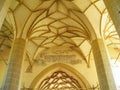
point(113, 7)
point(103, 67)
point(4, 6)
point(14, 68)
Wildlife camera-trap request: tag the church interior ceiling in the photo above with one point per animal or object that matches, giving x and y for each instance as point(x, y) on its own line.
point(55, 23)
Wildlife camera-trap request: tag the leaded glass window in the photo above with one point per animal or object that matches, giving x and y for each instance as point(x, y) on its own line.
point(59, 80)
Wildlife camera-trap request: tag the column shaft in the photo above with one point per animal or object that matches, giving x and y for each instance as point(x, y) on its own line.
point(113, 7)
point(4, 6)
point(103, 67)
point(14, 68)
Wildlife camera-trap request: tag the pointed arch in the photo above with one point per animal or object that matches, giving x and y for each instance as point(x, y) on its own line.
point(50, 70)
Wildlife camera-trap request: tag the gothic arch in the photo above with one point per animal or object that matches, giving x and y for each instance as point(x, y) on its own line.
point(59, 67)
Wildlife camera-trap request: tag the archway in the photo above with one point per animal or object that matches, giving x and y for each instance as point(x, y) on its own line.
point(59, 76)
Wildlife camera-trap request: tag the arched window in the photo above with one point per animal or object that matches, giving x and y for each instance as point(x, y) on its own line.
point(60, 80)
point(59, 77)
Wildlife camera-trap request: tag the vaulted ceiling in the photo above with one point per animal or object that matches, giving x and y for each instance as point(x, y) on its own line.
point(51, 23)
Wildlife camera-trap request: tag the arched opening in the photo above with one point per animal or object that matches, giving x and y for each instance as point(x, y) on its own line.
point(59, 76)
point(59, 80)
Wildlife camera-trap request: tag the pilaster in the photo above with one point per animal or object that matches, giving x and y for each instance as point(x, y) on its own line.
point(4, 6)
point(14, 68)
point(113, 7)
point(103, 67)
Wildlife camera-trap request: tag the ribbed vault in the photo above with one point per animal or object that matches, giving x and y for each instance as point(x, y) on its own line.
point(51, 23)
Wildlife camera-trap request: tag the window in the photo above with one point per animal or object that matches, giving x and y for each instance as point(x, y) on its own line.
point(59, 80)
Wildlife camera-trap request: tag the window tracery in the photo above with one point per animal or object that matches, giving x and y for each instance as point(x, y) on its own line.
point(60, 80)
